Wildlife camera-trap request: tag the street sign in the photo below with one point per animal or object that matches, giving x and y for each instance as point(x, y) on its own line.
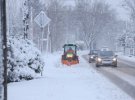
point(41, 19)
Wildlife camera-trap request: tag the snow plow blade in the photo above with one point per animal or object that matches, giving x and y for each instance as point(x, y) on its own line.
point(69, 63)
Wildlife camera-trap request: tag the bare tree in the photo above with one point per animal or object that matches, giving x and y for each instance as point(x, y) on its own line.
point(93, 17)
point(130, 4)
point(130, 29)
point(55, 13)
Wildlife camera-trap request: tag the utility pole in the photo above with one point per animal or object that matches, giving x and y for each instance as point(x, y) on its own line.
point(1, 56)
point(4, 45)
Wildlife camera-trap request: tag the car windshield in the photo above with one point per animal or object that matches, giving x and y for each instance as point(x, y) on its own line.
point(94, 52)
point(106, 53)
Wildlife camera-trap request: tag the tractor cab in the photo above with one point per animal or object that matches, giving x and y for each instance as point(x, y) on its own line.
point(70, 48)
point(69, 56)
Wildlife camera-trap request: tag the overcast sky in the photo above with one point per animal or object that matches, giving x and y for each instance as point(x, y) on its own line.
point(116, 4)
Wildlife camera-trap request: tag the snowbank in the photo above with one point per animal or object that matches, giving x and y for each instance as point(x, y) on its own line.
point(24, 60)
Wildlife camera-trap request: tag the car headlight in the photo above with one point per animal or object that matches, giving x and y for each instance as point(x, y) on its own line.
point(114, 59)
point(99, 59)
point(91, 57)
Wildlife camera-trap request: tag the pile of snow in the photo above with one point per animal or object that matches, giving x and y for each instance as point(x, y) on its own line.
point(24, 60)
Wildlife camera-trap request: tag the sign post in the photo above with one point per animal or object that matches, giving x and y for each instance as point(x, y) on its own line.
point(42, 20)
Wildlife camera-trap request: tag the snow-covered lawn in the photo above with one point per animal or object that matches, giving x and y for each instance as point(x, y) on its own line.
point(126, 57)
point(78, 82)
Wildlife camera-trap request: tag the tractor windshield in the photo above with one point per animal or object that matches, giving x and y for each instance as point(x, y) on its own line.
point(67, 48)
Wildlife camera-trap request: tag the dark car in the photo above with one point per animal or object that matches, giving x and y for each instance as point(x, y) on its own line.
point(92, 55)
point(106, 58)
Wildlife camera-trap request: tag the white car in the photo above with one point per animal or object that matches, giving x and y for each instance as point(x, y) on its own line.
point(104, 49)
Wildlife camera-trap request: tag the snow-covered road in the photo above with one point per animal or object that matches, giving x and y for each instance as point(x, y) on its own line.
point(78, 82)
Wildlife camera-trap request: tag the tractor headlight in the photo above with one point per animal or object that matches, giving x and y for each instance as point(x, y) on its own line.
point(114, 59)
point(69, 55)
point(99, 59)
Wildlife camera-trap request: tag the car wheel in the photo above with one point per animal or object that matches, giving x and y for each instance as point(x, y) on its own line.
point(97, 65)
point(89, 61)
point(115, 65)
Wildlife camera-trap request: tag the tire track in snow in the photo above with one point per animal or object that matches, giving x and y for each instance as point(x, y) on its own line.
point(121, 83)
point(126, 68)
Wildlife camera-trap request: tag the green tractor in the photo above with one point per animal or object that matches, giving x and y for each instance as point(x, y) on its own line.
point(69, 56)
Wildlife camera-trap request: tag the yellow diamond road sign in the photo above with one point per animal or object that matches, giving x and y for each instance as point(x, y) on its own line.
point(41, 19)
